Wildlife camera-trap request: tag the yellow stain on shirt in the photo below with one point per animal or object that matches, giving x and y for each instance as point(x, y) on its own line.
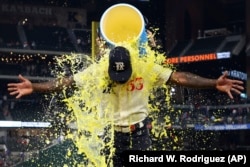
point(94, 131)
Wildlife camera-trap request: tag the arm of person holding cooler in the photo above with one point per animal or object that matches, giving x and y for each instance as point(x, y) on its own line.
point(222, 84)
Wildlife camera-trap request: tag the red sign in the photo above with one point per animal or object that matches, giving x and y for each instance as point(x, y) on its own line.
point(192, 58)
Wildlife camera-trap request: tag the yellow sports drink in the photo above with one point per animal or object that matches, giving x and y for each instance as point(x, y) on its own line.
point(121, 23)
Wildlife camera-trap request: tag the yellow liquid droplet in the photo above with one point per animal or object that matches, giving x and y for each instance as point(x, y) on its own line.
point(85, 105)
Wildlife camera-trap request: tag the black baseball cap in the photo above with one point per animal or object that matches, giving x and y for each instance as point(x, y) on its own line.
point(120, 68)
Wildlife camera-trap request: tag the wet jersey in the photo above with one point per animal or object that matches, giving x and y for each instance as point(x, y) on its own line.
point(129, 100)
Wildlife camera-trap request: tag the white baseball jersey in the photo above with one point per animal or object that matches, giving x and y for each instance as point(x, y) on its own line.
point(130, 100)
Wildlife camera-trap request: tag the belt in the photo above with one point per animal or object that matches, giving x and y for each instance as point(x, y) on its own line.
point(130, 128)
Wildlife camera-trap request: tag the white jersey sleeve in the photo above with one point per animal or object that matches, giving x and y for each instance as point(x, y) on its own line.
point(163, 74)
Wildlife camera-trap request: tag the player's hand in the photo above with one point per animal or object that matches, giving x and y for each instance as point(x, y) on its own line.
point(24, 87)
point(228, 86)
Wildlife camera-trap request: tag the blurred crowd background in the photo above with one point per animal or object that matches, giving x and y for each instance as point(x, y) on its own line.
point(33, 33)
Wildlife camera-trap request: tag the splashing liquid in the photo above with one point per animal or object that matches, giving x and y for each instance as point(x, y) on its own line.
point(90, 105)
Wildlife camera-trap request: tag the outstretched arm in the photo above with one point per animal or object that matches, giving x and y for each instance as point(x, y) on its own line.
point(26, 87)
point(222, 84)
